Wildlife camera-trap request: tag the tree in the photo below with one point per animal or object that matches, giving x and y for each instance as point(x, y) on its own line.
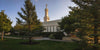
point(91, 7)
point(19, 27)
point(70, 23)
point(89, 18)
point(86, 20)
point(32, 24)
point(5, 23)
point(66, 24)
point(82, 24)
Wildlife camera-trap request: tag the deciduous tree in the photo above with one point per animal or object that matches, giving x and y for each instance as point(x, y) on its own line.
point(5, 23)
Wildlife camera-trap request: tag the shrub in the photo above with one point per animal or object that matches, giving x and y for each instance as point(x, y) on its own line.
point(58, 35)
point(52, 36)
point(45, 34)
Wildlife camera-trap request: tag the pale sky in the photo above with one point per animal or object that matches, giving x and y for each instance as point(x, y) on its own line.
point(57, 8)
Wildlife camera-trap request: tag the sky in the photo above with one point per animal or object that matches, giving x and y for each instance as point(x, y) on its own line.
point(57, 8)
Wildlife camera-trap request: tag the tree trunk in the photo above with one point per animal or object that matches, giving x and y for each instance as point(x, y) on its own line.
point(2, 35)
point(95, 37)
point(96, 25)
point(30, 40)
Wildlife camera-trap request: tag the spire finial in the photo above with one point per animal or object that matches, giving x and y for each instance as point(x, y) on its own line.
point(46, 5)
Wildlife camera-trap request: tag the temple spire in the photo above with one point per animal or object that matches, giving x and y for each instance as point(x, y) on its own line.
point(46, 5)
point(46, 17)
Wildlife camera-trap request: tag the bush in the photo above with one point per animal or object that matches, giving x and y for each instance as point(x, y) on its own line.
point(58, 35)
point(52, 36)
point(46, 34)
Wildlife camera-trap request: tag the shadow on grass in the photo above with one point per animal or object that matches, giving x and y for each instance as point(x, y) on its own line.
point(28, 43)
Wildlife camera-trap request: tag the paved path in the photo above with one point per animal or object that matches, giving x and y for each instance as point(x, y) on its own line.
point(12, 37)
point(43, 38)
point(54, 40)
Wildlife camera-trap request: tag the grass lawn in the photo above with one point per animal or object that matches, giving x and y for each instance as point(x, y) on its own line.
point(13, 44)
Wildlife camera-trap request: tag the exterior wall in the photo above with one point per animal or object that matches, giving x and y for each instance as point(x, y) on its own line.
point(51, 26)
point(55, 29)
point(48, 29)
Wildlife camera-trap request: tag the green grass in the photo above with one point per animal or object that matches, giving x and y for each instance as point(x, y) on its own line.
point(13, 44)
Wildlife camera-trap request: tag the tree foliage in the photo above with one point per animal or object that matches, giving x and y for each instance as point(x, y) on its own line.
point(86, 20)
point(29, 15)
point(31, 24)
point(67, 24)
point(90, 12)
point(5, 23)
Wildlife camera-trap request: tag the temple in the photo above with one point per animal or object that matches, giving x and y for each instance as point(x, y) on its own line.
point(50, 26)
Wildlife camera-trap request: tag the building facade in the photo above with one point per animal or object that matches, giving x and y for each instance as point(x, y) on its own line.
point(50, 26)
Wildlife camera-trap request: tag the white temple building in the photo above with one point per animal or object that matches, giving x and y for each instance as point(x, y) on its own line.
point(50, 26)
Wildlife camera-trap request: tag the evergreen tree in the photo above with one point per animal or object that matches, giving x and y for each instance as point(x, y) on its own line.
point(32, 24)
point(91, 7)
point(19, 27)
point(66, 24)
point(70, 23)
point(5, 23)
point(86, 21)
point(89, 19)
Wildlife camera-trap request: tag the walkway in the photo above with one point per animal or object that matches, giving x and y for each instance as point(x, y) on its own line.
point(39, 38)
